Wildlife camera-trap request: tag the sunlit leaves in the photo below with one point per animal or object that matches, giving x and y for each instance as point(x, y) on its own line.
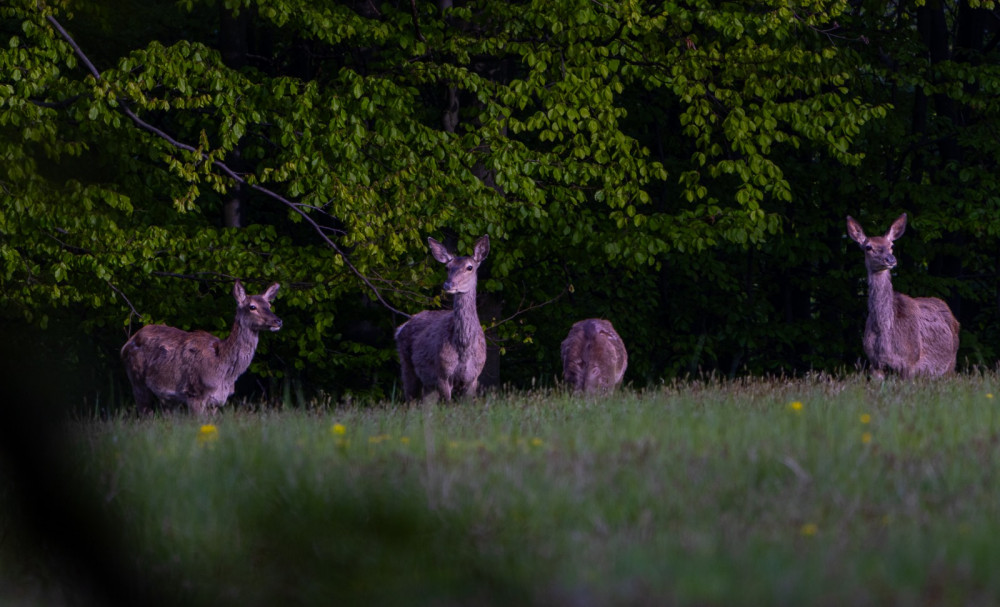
point(586, 136)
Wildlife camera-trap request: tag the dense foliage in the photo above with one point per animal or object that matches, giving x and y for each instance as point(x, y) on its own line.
point(682, 168)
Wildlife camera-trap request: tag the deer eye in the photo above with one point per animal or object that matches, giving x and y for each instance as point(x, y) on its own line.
point(253, 307)
point(868, 247)
point(468, 268)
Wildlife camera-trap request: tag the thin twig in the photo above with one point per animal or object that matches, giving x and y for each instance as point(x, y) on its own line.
point(119, 292)
point(521, 310)
point(225, 169)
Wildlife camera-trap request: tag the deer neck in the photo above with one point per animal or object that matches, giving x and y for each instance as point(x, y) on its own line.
point(236, 351)
point(881, 302)
point(465, 319)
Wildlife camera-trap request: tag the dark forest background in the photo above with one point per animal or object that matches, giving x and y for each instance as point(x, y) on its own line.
point(683, 169)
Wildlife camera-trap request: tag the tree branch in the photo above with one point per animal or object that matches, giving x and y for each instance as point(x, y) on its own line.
point(522, 310)
point(122, 295)
point(297, 207)
point(416, 21)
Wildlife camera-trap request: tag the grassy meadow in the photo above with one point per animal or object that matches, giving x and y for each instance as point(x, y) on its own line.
point(815, 491)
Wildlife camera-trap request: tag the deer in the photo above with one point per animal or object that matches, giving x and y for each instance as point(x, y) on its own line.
point(196, 368)
point(445, 350)
point(593, 356)
point(908, 335)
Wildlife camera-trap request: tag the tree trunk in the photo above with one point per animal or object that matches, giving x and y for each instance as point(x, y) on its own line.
point(234, 45)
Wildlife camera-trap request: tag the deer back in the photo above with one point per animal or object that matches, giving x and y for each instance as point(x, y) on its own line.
point(594, 356)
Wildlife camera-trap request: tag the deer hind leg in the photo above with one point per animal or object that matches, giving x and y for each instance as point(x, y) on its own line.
point(412, 388)
point(144, 399)
point(444, 389)
point(572, 373)
point(199, 407)
point(469, 389)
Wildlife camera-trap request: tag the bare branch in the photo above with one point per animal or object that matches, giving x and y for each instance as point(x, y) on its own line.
point(416, 21)
point(122, 295)
point(521, 310)
point(297, 207)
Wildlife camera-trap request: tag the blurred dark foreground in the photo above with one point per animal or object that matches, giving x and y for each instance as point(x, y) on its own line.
point(60, 544)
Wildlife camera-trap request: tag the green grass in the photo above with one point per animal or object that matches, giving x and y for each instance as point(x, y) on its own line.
point(707, 493)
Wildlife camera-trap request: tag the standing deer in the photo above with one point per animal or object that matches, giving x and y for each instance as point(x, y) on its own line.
point(197, 368)
point(909, 335)
point(445, 350)
point(593, 356)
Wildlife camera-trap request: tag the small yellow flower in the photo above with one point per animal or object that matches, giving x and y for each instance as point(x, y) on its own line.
point(405, 440)
point(536, 442)
point(989, 395)
point(207, 433)
point(865, 418)
point(795, 406)
point(866, 437)
point(809, 529)
point(338, 430)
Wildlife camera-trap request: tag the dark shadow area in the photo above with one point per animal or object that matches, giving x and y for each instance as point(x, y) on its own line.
point(311, 546)
point(54, 521)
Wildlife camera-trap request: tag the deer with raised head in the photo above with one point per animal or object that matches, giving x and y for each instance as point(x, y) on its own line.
point(445, 350)
point(196, 368)
point(593, 356)
point(909, 335)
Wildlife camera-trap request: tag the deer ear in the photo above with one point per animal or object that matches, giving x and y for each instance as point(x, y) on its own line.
point(271, 292)
point(854, 231)
point(439, 251)
point(239, 292)
point(481, 248)
point(897, 228)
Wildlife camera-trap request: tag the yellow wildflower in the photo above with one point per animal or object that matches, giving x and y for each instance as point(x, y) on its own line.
point(338, 430)
point(866, 437)
point(989, 395)
point(207, 433)
point(809, 529)
point(795, 406)
point(536, 442)
point(865, 418)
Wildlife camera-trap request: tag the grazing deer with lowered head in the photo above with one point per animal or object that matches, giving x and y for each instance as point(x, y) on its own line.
point(908, 335)
point(593, 356)
point(194, 367)
point(445, 350)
